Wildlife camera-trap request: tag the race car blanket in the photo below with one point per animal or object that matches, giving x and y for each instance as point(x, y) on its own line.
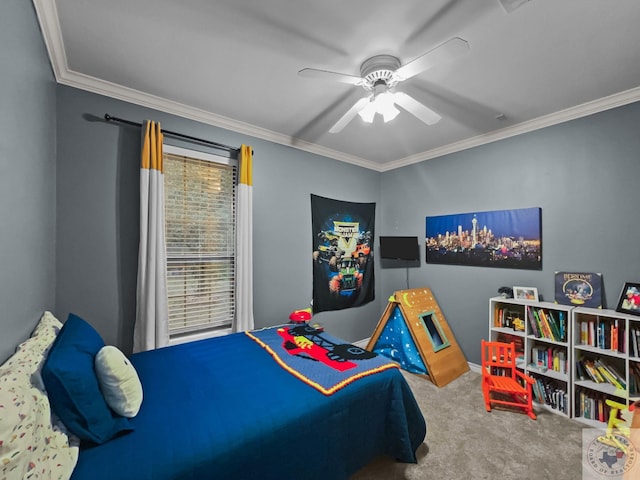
point(324, 362)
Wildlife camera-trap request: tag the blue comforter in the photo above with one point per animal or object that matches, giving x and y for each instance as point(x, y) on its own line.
point(224, 409)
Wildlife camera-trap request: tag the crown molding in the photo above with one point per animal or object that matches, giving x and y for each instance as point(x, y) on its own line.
point(47, 14)
point(48, 18)
point(616, 100)
point(112, 90)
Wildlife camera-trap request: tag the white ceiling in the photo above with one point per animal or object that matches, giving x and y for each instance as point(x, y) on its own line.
point(234, 64)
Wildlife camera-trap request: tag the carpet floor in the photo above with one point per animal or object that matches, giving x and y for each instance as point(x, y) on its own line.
point(464, 441)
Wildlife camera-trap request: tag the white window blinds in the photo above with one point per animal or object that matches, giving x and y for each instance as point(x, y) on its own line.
point(200, 241)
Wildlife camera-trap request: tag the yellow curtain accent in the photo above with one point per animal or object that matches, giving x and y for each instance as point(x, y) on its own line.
point(244, 243)
point(246, 165)
point(152, 147)
point(151, 330)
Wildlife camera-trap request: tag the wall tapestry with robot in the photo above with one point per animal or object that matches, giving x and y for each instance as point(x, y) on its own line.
point(343, 235)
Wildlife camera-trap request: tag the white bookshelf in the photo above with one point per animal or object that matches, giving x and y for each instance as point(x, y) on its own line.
point(594, 340)
point(547, 355)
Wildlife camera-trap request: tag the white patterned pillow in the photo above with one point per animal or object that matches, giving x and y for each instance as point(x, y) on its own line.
point(32, 444)
point(30, 354)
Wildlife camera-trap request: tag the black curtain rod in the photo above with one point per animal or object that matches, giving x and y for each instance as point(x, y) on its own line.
point(219, 146)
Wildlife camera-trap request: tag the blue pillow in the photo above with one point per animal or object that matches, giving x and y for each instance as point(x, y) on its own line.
point(72, 385)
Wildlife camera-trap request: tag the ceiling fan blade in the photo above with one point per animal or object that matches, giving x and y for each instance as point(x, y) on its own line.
point(511, 5)
point(333, 76)
point(443, 53)
point(416, 108)
point(352, 112)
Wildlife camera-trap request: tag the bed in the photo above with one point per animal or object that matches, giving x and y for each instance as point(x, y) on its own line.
point(233, 407)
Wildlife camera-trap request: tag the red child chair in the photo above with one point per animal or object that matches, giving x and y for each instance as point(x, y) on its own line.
point(502, 382)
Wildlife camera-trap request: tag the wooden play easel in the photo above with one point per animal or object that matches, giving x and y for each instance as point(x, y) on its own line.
point(431, 334)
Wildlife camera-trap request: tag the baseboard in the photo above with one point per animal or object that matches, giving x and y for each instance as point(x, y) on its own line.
point(474, 367)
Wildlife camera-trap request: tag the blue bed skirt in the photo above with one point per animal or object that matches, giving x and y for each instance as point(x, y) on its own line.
point(223, 409)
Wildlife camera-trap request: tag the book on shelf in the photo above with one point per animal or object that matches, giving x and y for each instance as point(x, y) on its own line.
point(604, 334)
point(634, 333)
point(585, 405)
point(554, 325)
point(614, 335)
point(600, 343)
point(539, 323)
point(561, 358)
point(581, 373)
point(599, 371)
point(533, 323)
point(591, 405)
point(584, 333)
point(601, 411)
point(549, 392)
point(562, 325)
point(541, 327)
point(537, 393)
point(538, 357)
point(634, 378)
point(549, 358)
point(609, 374)
point(592, 372)
point(612, 373)
point(508, 318)
point(498, 317)
point(547, 324)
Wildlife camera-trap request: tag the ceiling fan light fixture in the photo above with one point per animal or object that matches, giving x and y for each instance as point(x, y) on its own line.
point(368, 112)
point(385, 106)
point(381, 103)
point(390, 113)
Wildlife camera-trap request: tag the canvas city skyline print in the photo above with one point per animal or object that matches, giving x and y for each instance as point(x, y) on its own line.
point(498, 238)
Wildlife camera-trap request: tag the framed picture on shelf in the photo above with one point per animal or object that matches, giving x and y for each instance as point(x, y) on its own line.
point(629, 299)
point(576, 288)
point(525, 293)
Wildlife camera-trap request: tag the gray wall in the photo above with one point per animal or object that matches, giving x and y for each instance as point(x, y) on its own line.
point(27, 175)
point(583, 174)
point(97, 217)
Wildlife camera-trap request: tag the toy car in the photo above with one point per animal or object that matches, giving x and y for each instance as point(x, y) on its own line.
point(518, 324)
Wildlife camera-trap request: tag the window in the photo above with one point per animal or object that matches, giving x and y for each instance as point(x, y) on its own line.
point(434, 331)
point(200, 240)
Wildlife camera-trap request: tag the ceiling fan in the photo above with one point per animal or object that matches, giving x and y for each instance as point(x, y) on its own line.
point(511, 5)
point(379, 75)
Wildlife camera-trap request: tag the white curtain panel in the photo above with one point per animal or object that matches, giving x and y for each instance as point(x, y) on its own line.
point(244, 244)
point(151, 327)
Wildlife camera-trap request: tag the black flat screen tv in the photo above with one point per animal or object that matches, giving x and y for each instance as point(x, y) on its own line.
point(399, 248)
